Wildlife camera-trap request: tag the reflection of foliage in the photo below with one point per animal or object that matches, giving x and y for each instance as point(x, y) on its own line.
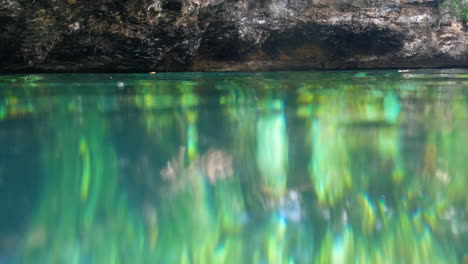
point(330, 163)
point(162, 97)
point(272, 148)
point(379, 177)
point(80, 209)
point(12, 103)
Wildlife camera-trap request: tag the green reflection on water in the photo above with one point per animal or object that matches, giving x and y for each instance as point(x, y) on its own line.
point(288, 167)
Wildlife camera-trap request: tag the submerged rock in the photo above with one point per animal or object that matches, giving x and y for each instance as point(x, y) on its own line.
point(209, 35)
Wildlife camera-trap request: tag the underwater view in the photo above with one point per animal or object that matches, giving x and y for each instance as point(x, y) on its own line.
point(217, 168)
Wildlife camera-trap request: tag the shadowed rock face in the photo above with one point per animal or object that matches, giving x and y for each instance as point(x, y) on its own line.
point(205, 35)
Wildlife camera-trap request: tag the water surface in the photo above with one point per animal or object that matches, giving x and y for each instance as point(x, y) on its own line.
point(285, 167)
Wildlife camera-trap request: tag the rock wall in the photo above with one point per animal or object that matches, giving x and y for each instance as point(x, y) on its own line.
point(212, 35)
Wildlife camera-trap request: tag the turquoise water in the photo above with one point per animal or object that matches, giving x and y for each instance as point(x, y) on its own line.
point(286, 167)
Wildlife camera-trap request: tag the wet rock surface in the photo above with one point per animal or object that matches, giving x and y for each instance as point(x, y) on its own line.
point(212, 35)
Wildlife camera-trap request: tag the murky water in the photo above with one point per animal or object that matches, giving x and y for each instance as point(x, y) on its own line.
point(289, 167)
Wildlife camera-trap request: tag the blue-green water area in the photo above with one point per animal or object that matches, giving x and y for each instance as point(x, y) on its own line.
point(242, 168)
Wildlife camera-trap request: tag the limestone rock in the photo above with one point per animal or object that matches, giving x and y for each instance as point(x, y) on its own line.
point(212, 35)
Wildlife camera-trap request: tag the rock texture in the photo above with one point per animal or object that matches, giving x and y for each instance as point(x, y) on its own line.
point(211, 35)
